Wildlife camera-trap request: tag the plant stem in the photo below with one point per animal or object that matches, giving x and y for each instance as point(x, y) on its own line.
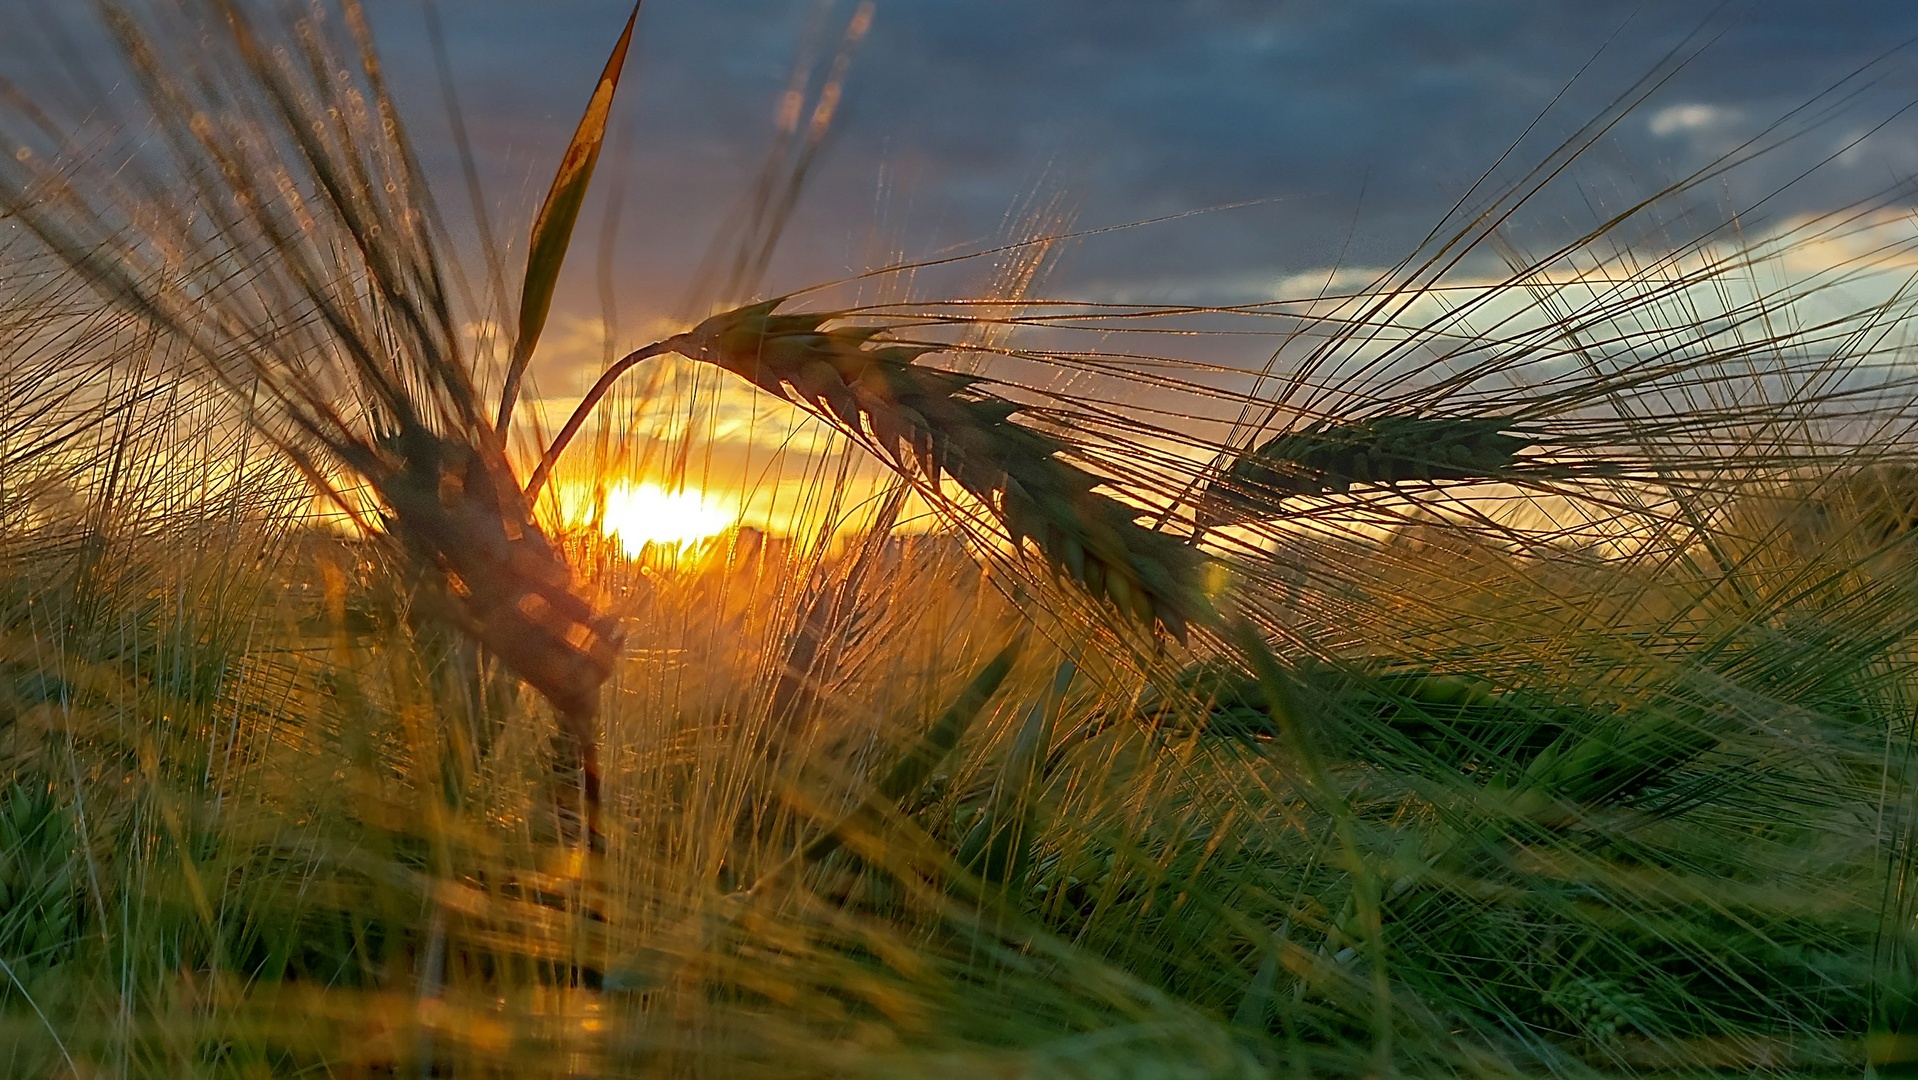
point(585, 409)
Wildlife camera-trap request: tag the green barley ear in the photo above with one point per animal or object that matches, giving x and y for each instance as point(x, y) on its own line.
point(1382, 450)
point(929, 423)
point(553, 228)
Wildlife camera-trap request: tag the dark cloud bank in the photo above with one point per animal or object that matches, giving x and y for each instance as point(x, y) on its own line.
point(1360, 121)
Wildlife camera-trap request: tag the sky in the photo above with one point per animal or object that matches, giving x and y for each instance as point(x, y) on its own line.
point(1350, 125)
point(1282, 138)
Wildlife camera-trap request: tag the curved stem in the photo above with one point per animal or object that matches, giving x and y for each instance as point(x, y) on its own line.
point(585, 409)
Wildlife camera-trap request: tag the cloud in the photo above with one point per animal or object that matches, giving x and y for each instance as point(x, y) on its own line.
point(1684, 119)
point(955, 109)
point(1362, 119)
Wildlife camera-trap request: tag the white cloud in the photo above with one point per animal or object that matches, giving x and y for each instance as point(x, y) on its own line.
point(1680, 119)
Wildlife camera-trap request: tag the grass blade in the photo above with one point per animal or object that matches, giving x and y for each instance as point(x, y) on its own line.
point(913, 770)
point(999, 848)
point(553, 228)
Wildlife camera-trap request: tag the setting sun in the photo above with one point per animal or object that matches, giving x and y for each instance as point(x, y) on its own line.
point(648, 514)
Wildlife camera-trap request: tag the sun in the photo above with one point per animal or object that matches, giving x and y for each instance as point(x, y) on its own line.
point(648, 514)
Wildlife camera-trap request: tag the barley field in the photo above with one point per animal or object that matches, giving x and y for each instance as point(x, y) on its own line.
point(1501, 665)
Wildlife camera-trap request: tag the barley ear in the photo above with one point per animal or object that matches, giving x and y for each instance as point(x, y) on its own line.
point(456, 510)
point(1325, 457)
point(928, 423)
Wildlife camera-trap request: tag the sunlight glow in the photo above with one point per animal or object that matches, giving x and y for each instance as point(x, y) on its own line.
point(646, 513)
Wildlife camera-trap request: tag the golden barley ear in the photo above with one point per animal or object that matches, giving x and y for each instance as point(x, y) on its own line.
point(457, 509)
point(515, 591)
point(928, 423)
point(324, 206)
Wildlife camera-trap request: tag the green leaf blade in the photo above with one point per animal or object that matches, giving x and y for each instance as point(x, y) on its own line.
point(553, 228)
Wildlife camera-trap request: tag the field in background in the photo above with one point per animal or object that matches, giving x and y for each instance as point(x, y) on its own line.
point(1545, 814)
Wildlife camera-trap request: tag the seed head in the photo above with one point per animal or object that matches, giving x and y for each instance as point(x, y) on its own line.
point(929, 423)
point(1383, 450)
